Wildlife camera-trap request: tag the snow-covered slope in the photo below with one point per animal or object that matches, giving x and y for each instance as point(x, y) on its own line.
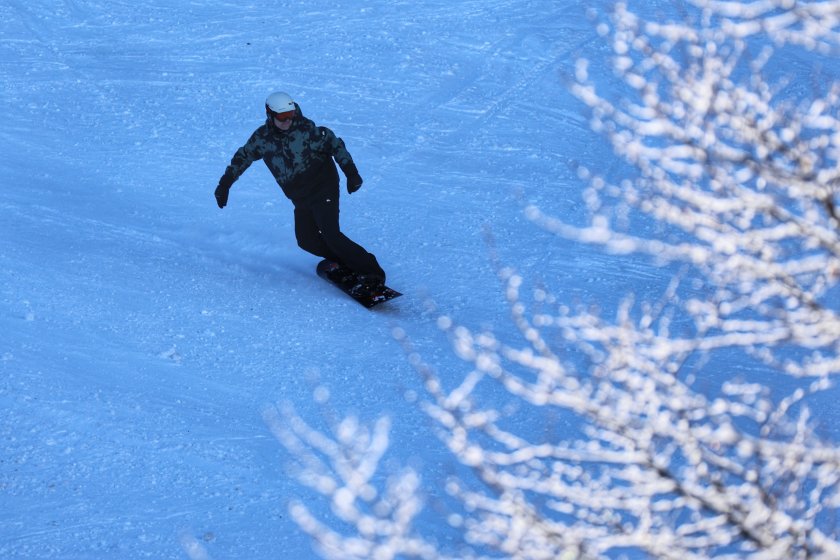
point(144, 330)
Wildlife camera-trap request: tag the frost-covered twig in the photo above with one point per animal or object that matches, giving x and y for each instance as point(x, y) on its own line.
point(341, 466)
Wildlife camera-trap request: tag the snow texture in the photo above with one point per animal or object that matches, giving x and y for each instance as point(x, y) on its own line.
point(145, 333)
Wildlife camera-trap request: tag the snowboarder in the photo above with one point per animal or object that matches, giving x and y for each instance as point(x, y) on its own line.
point(300, 156)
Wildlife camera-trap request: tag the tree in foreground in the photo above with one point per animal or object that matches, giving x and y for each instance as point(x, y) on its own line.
point(675, 443)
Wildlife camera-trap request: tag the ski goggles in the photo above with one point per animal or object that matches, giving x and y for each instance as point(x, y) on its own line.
point(285, 116)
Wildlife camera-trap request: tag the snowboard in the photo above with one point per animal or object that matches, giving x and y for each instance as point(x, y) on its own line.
point(348, 283)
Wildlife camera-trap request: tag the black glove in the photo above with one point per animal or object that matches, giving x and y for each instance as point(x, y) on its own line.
point(223, 190)
point(354, 180)
point(354, 183)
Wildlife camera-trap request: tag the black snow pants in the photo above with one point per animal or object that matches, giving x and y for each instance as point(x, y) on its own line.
point(317, 232)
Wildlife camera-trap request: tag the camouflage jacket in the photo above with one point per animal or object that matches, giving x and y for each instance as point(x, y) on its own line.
point(301, 158)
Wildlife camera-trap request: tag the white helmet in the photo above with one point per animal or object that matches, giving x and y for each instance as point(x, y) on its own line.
point(278, 103)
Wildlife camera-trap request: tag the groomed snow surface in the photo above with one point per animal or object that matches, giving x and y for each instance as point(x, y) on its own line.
point(144, 331)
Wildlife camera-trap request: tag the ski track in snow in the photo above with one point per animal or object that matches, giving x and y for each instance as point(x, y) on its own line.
point(145, 330)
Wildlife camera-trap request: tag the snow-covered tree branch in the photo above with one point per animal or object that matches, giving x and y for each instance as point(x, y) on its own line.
point(745, 181)
point(340, 466)
point(611, 443)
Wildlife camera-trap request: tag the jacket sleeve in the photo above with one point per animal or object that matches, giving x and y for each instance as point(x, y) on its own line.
point(336, 148)
point(244, 157)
